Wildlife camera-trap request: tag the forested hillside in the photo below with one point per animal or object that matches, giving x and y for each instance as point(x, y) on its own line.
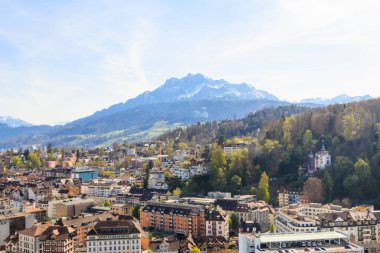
point(351, 133)
point(209, 132)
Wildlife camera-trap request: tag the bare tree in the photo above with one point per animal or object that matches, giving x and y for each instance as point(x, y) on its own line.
point(313, 189)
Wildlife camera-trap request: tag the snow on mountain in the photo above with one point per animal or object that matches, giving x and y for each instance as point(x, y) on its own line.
point(13, 122)
point(340, 99)
point(198, 87)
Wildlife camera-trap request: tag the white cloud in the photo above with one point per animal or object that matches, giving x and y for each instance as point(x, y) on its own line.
point(64, 60)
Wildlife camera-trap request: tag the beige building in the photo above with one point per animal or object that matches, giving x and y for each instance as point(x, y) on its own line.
point(301, 217)
point(69, 207)
point(359, 223)
point(83, 225)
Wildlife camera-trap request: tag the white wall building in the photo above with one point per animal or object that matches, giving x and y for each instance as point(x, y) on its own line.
point(114, 237)
point(296, 242)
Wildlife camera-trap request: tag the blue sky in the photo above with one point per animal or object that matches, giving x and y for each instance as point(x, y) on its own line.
point(61, 60)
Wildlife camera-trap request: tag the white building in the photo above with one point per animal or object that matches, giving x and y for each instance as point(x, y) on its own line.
point(157, 181)
point(217, 223)
point(114, 237)
point(322, 158)
point(9, 224)
point(29, 239)
point(301, 218)
point(229, 149)
point(331, 241)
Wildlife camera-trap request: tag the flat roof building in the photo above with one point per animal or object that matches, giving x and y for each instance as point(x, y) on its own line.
point(329, 241)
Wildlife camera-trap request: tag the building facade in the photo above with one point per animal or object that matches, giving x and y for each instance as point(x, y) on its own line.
point(114, 237)
point(174, 218)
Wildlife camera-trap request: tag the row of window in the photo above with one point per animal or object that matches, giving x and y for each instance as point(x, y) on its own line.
point(113, 249)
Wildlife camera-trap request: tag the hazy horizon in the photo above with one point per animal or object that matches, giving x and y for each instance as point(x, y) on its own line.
point(60, 61)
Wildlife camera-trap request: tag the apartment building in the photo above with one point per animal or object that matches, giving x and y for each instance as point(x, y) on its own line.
point(83, 225)
point(301, 218)
point(359, 223)
point(58, 239)
point(46, 238)
point(289, 197)
point(174, 218)
point(331, 241)
point(114, 237)
point(9, 224)
point(257, 211)
point(217, 223)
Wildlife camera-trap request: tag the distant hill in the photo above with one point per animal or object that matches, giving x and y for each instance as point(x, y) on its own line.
point(341, 99)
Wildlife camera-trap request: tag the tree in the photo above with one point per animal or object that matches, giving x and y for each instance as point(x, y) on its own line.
point(182, 145)
point(312, 189)
point(363, 171)
point(218, 158)
point(35, 160)
point(327, 186)
point(307, 141)
point(107, 174)
point(219, 180)
point(177, 192)
point(136, 212)
point(272, 228)
point(107, 203)
point(49, 148)
point(235, 183)
point(263, 193)
point(195, 250)
point(233, 222)
point(16, 161)
point(286, 129)
point(149, 167)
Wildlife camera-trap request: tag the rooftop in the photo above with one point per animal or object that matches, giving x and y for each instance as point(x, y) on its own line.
point(288, 237)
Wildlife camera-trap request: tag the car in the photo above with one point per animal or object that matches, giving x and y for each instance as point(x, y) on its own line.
point(319, 244)
point(283, 245)
point(308, 244)
point(303, 244)
point(306, 249)
point(317, 249)
point(314, 244)
point(324, 249)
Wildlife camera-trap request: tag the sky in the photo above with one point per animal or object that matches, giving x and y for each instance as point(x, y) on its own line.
point(63, 60)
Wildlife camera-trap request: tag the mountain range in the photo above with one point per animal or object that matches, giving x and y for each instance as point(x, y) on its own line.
point(13, 122)
point(178, 102)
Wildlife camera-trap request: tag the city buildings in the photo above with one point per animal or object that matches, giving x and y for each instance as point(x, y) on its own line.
point(114, 237)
